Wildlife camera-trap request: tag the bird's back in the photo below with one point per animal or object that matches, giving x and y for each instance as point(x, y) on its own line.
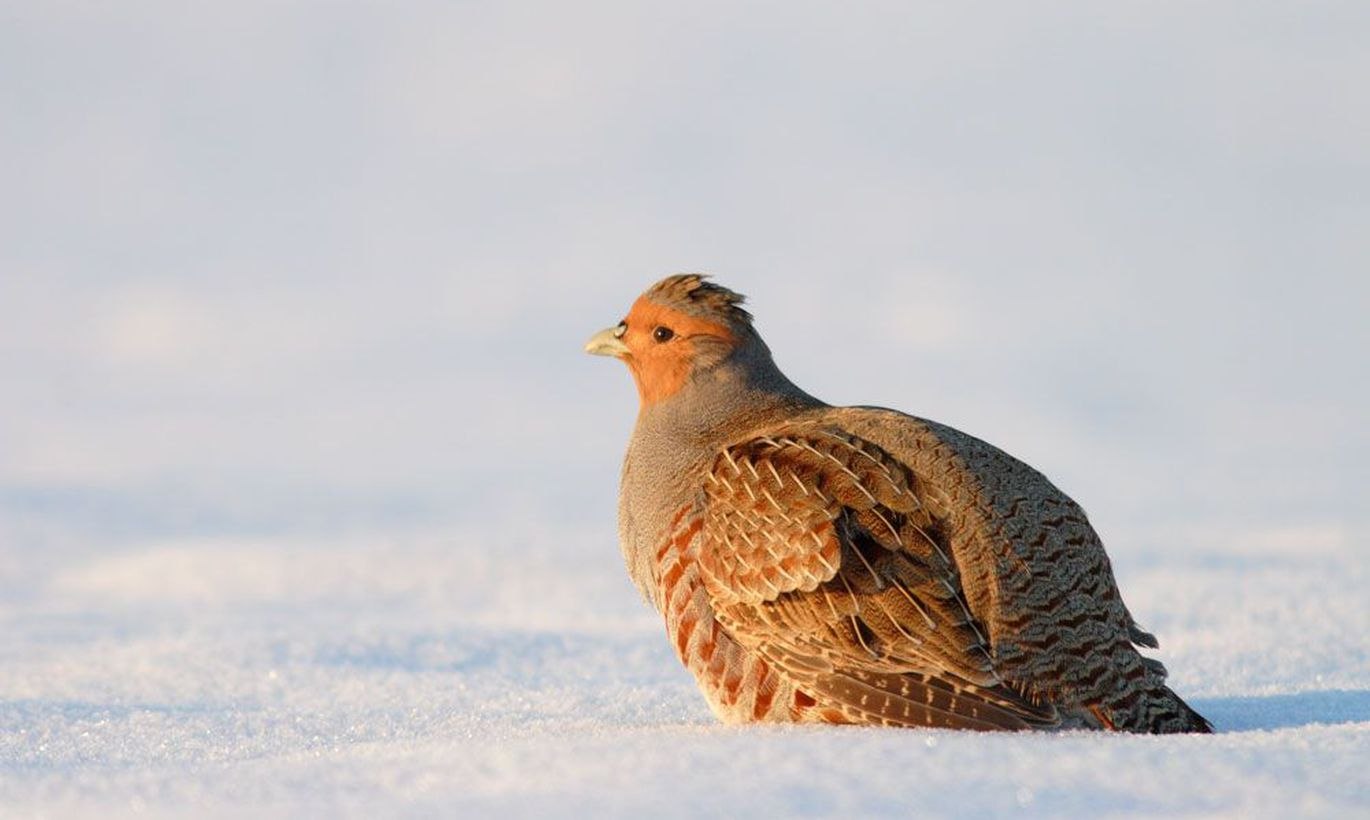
point(1033, 571)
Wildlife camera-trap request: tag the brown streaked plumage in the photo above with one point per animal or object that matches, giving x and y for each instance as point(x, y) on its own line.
point(855, 564)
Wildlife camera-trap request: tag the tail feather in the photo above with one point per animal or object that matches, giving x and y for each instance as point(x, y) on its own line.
point(1174, 715)
point(1155, 710)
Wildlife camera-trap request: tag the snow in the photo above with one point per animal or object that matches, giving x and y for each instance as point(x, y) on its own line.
point(496, 674)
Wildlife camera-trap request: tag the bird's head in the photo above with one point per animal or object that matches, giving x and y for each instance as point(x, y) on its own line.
point(681, 326)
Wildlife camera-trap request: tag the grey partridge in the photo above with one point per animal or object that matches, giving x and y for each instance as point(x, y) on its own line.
point(855, 564)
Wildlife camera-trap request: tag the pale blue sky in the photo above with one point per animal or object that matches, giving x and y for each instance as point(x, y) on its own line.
point(320, 266)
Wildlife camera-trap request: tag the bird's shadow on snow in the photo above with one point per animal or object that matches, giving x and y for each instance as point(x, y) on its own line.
point(1264, 712)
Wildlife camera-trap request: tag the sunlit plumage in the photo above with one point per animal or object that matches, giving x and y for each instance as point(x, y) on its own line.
point(858, 565)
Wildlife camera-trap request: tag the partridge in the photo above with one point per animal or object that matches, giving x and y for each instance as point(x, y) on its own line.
point(855, 564)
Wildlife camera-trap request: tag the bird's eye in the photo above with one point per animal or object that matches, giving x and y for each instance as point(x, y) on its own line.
point(663, 334)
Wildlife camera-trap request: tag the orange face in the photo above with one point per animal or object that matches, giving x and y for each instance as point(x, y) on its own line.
point(661, 346)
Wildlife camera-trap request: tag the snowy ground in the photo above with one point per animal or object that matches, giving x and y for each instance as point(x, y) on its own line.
point(517, 674)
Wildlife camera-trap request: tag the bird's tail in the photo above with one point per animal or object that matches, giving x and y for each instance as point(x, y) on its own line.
point(1170, 714)
point(1154, 709)
point(1135, 698)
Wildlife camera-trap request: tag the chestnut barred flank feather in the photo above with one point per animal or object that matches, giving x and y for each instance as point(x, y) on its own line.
point(858, 565)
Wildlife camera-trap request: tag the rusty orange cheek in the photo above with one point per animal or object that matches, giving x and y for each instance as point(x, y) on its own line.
point(658, 377)
point(661, 369)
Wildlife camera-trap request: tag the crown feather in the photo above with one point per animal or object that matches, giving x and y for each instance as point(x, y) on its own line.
point(693, 294)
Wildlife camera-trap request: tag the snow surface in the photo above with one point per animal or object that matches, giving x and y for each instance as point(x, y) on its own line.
point(516, 674)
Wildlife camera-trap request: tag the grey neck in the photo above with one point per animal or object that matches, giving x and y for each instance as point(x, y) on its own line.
point(741, 392)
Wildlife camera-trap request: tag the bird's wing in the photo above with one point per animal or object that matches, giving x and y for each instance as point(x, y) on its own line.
point(818, 554)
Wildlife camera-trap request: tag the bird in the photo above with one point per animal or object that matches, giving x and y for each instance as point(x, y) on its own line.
point(857, 565)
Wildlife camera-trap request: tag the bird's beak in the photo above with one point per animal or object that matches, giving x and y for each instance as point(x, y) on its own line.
point(606, 343)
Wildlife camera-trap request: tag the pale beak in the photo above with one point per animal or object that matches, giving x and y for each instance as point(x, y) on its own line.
point(606, 343)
